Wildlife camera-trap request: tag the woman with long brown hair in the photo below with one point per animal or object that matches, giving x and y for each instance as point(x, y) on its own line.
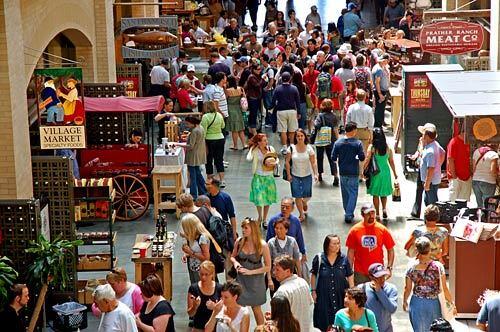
point(350, 97)
point(282, 316)
point(249, 251)
point(263, 191)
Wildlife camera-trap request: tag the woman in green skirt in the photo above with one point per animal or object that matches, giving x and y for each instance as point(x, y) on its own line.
point(263, 189)
point(235, 123)
point(381, 183)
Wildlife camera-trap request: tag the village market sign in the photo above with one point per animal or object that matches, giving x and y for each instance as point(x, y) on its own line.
point(451, 37)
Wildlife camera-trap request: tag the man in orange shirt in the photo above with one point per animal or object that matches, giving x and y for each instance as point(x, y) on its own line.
point(365, 241)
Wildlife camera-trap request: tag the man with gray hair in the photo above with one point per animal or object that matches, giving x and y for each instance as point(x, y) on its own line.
point(295, 229)
point(116, 316)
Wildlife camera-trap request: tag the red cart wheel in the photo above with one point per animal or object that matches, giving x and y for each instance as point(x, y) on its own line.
point(132, 197)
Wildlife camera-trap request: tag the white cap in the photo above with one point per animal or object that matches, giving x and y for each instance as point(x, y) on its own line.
point(427, 127)
point(191, 68)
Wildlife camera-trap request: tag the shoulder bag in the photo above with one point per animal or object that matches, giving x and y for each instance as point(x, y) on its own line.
point(285, 175)
point(447, 308)
point(372, 169)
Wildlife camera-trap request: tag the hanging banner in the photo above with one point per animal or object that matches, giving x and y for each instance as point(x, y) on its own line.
point(420, 92)
point(451, 37)
point(61, 114)
point(131, 85)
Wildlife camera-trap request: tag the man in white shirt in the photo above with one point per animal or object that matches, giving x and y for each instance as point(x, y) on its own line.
point(296, 290)
point(160, 80)
point(116, 316)
point(362, 115)
point(305, 35)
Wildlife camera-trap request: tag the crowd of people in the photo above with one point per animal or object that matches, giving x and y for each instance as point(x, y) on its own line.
point(324, 93)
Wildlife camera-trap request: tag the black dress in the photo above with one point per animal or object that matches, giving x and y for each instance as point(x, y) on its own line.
point(331, 284)
point(162, 308)
point(203, 313)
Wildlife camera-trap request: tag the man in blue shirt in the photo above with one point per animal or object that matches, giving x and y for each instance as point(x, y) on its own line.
point(490, 313)
point(352, 22)
point(295, 229)
point(381, 81)
point(349, 152)
point(430, 165)
point(286, 102)
point(221, 201)
point(381, 296)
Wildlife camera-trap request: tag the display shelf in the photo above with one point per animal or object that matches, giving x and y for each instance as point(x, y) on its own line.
point(92, 220)
point(104, 241)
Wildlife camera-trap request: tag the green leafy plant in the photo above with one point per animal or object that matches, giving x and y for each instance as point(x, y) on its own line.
point(8, 276)
point(49, 266)
point(49, 260)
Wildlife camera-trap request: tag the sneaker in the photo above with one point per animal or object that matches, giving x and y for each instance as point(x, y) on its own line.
point(348, 221)
point(226, 164)
point(336, 181)
point(264, 224)
point(223, 184)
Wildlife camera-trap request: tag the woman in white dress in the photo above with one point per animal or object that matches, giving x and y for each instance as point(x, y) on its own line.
point(228, 315)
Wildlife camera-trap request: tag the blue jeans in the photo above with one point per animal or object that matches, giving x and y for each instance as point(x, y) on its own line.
point(303, 116)
point(423, 312)
point(431, 196)
point(483, 190)
point(196, 182)
point(349, 188)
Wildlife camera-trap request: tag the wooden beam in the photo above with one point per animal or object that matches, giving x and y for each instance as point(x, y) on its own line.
point(457, 14)
point(143, 3)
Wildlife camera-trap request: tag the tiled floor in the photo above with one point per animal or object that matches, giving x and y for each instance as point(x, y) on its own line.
point(325, 208)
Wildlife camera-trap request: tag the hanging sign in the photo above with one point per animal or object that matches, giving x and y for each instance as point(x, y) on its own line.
point(61, 112)
point(420, 92)
point(451, 37)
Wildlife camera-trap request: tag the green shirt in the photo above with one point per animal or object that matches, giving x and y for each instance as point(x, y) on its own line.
point(213, 123)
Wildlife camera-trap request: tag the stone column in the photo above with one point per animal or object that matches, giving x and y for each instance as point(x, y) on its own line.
point(105, 65)
point(495, 36)
point(15, 155)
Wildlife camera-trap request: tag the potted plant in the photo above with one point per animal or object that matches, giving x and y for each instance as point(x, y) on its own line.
point(48, 266)
point(8, 276)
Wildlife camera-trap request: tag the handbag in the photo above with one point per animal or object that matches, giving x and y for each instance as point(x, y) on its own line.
point(324, 136)
point(285, 175)
point(447, 307)
point(244, 104)
point(396, 193)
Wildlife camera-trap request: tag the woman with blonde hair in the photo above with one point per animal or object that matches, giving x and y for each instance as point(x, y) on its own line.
point(263, 191)
point(126, 292)
point(247, 260)
point(197, 248)
point(202, 296)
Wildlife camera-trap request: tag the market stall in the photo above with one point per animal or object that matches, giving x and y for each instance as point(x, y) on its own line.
point(479, 108)
point(110, 153)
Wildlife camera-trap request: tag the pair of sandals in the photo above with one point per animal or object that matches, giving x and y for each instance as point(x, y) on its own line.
point(304, 211)
point(236, 149)
point(384, 215)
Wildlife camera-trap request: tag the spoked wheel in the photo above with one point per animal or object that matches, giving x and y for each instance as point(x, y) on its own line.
point(132, 197)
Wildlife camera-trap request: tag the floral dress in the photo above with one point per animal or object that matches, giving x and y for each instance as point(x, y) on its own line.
point(437, 238)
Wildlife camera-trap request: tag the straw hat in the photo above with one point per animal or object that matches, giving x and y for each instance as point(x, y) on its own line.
point(268, 155)
point(484, 129)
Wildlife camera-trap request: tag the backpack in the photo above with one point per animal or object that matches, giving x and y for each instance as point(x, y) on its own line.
point(362, 78)
point(324, 135)
point(222, 232)
point(217, 258)
point(324, 86)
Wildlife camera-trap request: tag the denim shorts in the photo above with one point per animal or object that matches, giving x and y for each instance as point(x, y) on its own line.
point(301, 186)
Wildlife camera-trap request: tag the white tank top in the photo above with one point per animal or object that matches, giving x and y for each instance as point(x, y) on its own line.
point(127, 297)
point(235, 323)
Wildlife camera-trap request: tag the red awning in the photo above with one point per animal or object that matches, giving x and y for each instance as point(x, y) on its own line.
point(124, 104)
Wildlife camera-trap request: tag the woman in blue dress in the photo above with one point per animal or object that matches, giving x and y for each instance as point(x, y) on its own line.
point(331, 275)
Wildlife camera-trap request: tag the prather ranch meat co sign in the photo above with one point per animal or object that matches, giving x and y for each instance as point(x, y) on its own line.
point(451, 37)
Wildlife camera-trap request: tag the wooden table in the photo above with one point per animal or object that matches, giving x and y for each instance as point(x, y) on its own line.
point(166, 173)
point(208, 46)
point(146, 265)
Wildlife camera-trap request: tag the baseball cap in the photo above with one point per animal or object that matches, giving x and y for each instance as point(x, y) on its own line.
point(377, 270)
point(427, 127)
point(342, 50)
point(191, 68)
point(368, 207)
point(351, 6)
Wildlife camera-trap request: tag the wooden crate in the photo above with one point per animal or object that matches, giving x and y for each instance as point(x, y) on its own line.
point(104, 90)
point(106, 128)
point(172, 131)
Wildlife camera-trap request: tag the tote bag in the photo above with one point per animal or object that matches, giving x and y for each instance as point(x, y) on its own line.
point(324, 135)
